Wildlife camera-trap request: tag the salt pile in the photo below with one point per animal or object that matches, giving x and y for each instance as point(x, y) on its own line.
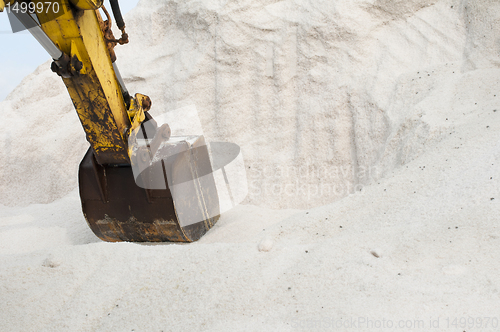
point(397, 98)
point(310, 90)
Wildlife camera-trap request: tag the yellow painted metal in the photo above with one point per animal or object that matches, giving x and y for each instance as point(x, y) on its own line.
point(137, 116)
point(96, 92)
point(87, 4)
point(75, 52)
point(4, 3)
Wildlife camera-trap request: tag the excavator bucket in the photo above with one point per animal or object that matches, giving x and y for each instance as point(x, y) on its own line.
point(167, 194)
point(136, 182)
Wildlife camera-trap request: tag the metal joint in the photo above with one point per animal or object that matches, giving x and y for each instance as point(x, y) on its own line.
point(67, 67)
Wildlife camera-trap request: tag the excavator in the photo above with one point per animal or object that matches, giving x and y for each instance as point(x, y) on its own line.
point(137, 183)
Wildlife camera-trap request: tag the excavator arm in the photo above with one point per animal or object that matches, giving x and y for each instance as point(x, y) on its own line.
point(136, 182)
point(92, 82)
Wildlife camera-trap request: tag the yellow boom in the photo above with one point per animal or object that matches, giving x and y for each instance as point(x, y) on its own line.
point(135, 183)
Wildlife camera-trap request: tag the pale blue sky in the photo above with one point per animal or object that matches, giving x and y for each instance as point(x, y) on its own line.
point(21, 54)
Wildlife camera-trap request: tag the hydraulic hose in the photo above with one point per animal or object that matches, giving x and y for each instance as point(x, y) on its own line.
point(115, 7)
